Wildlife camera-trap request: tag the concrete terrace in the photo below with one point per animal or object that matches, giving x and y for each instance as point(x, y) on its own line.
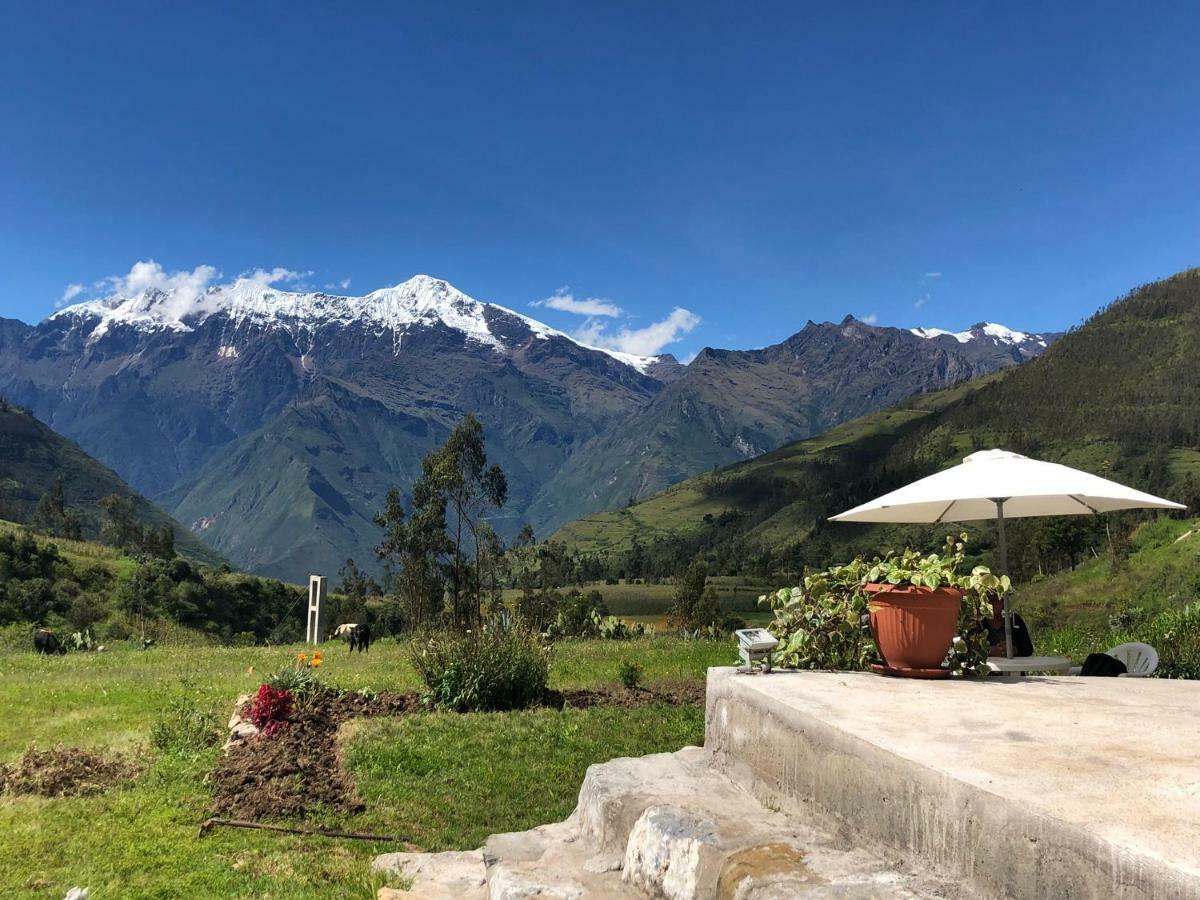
point(1025, 787)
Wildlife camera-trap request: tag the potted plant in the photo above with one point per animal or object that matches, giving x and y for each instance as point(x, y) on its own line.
point(920, 604)
point(917, 612)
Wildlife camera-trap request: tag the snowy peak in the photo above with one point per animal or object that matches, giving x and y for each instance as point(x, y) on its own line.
point(986, 331)
point(421, 301)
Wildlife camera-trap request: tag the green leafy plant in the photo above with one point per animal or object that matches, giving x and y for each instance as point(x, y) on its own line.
point(184, 728)
point(480, 670)
point(630, 674)
point(823, 623)
point(299, 681)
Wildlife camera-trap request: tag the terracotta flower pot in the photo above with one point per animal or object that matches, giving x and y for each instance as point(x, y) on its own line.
point(914, 626)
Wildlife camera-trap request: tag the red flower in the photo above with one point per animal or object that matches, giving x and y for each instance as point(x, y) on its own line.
point(271, 709)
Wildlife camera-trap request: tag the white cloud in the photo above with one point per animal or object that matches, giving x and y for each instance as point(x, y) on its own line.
point(921, 301)
point(871, 319)
point(933, 274)
point(185, 288)
point(648, 341)
point(278, 275)
point(344, 283)
point(69, 293)
point(564, 301)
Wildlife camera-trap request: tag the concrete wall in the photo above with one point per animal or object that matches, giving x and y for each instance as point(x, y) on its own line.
point(795, 760)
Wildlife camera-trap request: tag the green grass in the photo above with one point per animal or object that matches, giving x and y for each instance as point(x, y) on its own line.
point(484, 772)
point(512, 771)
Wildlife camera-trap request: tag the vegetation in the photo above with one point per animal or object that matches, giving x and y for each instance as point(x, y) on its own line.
point(426, 553)
point(49, 484)
point(485, 669)
point(822, 623)
point(82, 587)
point(441, 780)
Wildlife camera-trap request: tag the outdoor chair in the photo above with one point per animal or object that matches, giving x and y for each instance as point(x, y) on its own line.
point(1140, 659)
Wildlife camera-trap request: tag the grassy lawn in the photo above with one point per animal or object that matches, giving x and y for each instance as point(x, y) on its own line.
point(441, 780)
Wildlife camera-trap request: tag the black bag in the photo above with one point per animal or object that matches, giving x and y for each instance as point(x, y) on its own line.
point(1102, 664)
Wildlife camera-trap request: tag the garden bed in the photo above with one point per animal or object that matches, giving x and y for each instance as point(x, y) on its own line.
point(298, 770)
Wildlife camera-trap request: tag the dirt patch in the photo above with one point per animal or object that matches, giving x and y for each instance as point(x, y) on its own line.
point(64, 772)
point(671, 693)
point(299, 768)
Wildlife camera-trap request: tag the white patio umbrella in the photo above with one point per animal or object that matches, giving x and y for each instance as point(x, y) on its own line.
point(997, 484)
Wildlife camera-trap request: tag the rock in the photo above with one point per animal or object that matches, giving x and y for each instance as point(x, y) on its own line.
point(672, 853)
point(506, 884)
point(241, 729)
point(457, 874)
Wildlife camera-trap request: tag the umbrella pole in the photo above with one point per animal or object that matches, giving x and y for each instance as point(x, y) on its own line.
point(1008, 640)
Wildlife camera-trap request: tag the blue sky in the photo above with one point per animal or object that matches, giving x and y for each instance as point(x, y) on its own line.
point(751, 165)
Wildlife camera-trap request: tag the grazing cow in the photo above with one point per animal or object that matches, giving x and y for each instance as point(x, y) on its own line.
point(343, 631)
point(47, 642)
point(360, 638)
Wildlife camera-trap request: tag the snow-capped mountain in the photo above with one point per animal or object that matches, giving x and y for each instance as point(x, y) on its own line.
point(420, 302)
point(1028, 344)
point(273, 422)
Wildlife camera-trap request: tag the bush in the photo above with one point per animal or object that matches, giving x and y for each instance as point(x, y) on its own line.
point(243, 639)
point(1176, 637)
point(299, 681)
point(185, 728)
point(482, 670)
point(630, 674)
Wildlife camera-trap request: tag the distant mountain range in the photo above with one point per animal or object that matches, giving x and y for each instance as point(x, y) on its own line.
point(272, 422)
point(1119, 396)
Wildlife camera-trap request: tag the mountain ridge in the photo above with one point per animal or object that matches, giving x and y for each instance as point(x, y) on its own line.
point(275, 430)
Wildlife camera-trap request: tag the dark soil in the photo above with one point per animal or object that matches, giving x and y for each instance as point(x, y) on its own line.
point(672, 693)
point(64, 772)
point(299, 768)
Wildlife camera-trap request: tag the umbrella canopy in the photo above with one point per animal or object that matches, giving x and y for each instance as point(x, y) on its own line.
point(1027, 487)
point(997, 484)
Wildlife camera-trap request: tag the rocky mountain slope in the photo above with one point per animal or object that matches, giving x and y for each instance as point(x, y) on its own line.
point(272, 422)
point(730, 405)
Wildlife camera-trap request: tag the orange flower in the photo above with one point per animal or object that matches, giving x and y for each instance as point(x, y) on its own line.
point(316, 662)
point(302, 657)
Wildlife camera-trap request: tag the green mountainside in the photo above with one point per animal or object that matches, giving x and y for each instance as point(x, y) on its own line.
point(33, 457)
point(1119, 396)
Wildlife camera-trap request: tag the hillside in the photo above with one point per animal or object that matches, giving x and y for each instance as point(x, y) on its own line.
point(1119, 396)
point(33, 457)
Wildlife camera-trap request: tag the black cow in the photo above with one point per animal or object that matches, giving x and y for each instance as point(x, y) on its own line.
point(47, 642)
point(360, 638)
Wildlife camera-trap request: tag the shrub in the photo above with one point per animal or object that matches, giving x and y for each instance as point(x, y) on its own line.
point(243, 639)
point(482, 670)
point(579, 615)
point(300, 681)
point(271, 709)
point(630, 674)
point(184, 728)
point(1176, 637)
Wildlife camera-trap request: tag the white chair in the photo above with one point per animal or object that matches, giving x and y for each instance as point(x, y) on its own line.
point(1140, 659)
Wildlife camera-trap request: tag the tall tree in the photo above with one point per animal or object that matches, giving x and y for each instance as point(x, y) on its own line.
point(460, 473)
point(413, 551)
